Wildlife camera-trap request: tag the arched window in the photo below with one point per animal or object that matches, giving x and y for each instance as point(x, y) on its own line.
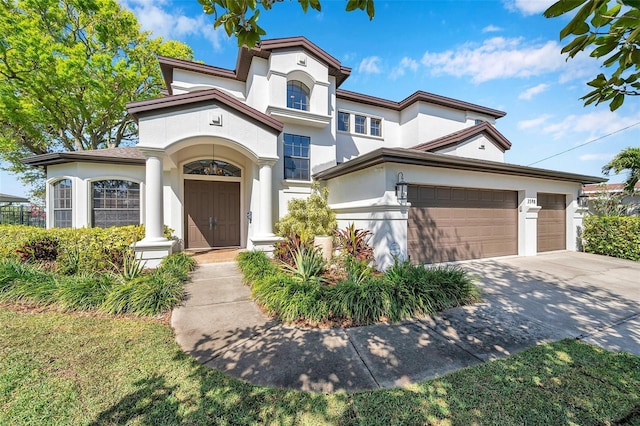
point(115, 203)
point(211, 168)
point(297, 95)
point(62, 204)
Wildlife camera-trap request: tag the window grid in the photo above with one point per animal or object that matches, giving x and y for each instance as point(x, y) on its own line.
point(343, 121)
point(296, 157)
point(375, 128)
point(297, 96)
point(62, 204)
point(115, 203)
point(361, 124)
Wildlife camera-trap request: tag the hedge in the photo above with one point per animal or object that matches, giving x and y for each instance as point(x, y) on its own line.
point(616, 236)
point(93, 245)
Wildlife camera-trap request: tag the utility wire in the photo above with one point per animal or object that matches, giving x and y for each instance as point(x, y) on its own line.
point(585, 143)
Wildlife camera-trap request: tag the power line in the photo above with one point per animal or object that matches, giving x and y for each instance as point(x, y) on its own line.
point(585, 143)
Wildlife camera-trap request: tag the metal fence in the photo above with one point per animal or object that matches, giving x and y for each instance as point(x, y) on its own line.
point(22, 215)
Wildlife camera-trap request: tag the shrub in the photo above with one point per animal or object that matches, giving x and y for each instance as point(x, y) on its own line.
point(96, 247)
point(308, 217)
point(308, 264)
point(151, 293)
point(403, 291)
point(283, 250)
point(614, 236)
point(355, 242)
point(44, 249)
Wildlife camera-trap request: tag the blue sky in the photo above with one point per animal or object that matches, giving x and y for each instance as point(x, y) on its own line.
point(501, 54)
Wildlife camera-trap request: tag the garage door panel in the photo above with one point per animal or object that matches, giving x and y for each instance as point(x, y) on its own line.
point(552, 222)
point(461, 223)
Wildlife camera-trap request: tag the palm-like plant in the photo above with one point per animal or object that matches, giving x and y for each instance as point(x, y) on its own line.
point(627, 159)
point(355, 242)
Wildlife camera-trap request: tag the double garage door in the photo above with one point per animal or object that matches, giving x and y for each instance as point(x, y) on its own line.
point(449, 223)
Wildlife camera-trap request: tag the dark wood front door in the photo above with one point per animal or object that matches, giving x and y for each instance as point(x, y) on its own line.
point(212, 213)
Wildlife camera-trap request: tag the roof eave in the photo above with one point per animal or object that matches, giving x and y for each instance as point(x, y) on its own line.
point(419, 158)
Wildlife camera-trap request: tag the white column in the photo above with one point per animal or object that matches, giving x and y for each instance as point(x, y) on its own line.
point(154, 206)
point(266, 194)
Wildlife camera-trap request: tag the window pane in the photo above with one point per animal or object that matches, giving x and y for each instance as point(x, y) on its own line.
point(343, 121)
point(211, 167)
point(296, 157)
point(115, 203)
point(62, 212)
point(297, 96)
point(375, 127)
point(360, 126)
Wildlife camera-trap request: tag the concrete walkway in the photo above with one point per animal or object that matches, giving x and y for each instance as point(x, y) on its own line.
point(527, 301)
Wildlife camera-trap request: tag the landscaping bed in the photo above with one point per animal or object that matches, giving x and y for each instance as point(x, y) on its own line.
point(356, 298)
point(89, 270)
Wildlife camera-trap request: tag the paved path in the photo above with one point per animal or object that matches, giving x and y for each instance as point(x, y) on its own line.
point(527, 301)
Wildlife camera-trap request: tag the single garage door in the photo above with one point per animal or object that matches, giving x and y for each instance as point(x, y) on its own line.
point(552, 222)
point(447, 223)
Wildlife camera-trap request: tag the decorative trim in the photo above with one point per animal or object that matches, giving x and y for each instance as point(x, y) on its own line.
point(295, 116)
point(419, 158)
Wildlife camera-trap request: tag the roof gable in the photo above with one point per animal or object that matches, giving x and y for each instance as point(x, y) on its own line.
point(154, 106)
point(245, 56)
point(461, 136)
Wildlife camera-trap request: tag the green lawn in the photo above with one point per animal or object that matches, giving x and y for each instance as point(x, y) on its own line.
point(70, 369)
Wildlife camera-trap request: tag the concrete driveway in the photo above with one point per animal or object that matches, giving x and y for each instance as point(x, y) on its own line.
point(527, 301)
point(594, 298)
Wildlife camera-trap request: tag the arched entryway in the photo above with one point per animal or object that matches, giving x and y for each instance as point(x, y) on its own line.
point(212, 204)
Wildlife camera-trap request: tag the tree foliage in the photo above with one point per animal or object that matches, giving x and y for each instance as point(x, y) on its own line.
point(67, 70)
point(240, 17)
point(627, 159)
point(610, 31)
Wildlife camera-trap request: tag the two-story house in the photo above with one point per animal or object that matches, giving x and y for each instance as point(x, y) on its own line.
point(221, 154)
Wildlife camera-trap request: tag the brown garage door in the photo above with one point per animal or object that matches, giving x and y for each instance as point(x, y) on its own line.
point(447, 223)
point(552, 222)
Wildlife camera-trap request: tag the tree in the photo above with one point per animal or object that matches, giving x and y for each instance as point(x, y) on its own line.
point(612, 29)
point(67, 70)
point(627, 159)
point(240, 17)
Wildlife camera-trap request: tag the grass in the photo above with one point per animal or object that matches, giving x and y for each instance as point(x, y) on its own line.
point(63, 369)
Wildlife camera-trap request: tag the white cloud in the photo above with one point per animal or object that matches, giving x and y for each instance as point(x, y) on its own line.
point(599, 157)
point(594, 124)
point(405, 64)
point(534, 122)
point(173, 24)
point(495, 58)
point(528, 7)
point(528, 94)
point(370, 65)
point(491, 29)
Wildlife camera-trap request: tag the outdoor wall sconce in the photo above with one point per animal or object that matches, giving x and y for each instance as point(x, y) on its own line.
point(583, 200)
point(401, 189)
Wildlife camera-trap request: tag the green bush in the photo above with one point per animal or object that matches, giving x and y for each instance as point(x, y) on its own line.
point(308, 217)
point(615, 236)
point(97, 248)
point(404, 291)
point(151, 293)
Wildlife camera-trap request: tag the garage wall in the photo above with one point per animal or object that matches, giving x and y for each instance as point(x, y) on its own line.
point(368, 197)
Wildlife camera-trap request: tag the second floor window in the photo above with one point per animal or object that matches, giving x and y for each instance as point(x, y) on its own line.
point(361, 124)
point(376, 127)
point(297, 96)
point(296, 157)
point(343, 121)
